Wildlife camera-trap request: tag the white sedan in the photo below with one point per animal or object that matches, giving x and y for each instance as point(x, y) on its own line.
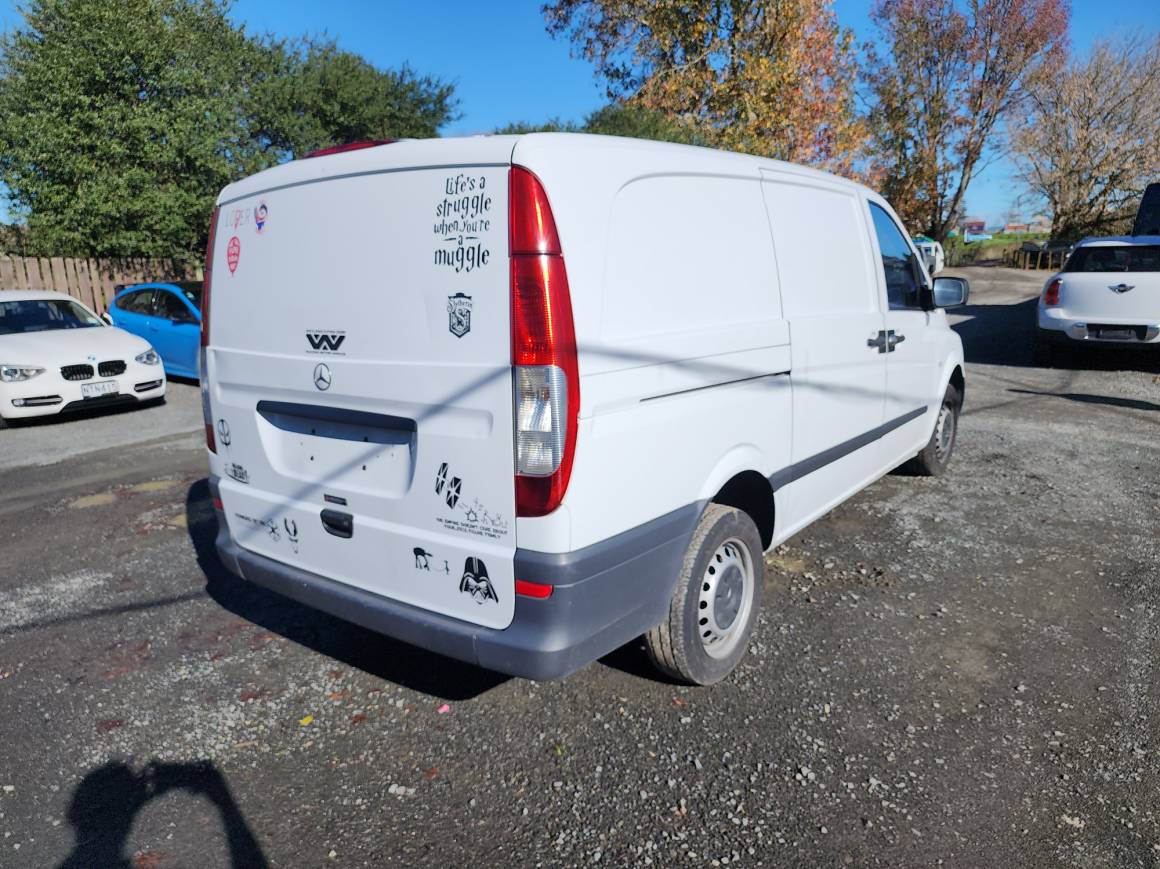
point(58, 356)
point(1108, 294)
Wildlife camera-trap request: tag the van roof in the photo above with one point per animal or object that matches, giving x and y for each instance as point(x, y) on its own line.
point(484, 150)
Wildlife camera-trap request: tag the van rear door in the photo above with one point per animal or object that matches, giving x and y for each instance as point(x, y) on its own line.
point(360, 381)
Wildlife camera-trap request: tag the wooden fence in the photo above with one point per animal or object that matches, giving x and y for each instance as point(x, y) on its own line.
point(1050, 259)
point(92, 281)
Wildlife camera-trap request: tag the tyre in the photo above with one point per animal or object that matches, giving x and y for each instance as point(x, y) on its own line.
point(936, 455)
point(3, 423)
point(716, 600)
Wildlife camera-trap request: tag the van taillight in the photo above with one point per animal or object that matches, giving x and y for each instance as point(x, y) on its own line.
point(546, 380)
point(1051, 294)
point(207, 281)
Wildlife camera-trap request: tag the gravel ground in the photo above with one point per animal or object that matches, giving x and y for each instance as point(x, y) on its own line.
point(958, 672)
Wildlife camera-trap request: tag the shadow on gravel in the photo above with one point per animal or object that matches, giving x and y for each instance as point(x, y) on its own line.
point(373, 653)
point(998, 334)
point(1086, 398)
point(108, 800)
point(632, 660)
point(1005, 335)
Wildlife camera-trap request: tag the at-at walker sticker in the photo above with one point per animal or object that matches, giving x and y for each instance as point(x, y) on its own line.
point(462, 217)
point(424, 560)
point(470, 518)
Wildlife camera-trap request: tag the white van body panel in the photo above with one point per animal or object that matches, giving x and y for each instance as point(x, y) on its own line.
point(661, 313)
point(725, 310)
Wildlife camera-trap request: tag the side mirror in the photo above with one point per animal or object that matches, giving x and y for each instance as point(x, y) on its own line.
point(951, 292)
point(108, 320)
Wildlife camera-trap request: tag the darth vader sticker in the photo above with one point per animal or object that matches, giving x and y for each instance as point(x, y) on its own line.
point(475, 582)
point(459, 314)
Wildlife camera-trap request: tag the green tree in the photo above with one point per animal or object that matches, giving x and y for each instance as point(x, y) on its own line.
point(120, 122)
point(325, 96)
point(618, 119)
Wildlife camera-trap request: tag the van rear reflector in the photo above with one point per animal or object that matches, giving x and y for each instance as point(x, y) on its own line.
point(546, 400)
point(538, 590)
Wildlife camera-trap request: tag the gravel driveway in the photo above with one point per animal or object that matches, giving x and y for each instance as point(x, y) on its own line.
point(959, 672)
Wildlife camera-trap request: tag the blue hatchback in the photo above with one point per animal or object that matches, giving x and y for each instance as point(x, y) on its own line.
point(168, 316)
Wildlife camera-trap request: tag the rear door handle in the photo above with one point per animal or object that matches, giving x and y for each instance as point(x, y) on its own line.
point(893, 340)
point(338, 523)
point(878, 341)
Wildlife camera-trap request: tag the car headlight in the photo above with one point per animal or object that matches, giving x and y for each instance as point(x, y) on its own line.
point(149, 357)
point(18, 373)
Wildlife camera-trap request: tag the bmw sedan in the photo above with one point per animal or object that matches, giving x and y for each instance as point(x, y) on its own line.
point(58, 356)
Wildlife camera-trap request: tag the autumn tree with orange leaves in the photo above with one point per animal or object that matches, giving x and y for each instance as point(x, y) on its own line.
point(770, 77)
point(952, 75)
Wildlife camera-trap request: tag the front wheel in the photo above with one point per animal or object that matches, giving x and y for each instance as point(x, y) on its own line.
point(715, 604)
point(936, 455)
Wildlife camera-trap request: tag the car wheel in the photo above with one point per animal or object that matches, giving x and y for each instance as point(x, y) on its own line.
point(3, 423)
point(715, 603)
point(936, 455)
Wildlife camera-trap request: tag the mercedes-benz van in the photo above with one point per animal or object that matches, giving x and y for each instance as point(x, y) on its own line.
point(522, 399)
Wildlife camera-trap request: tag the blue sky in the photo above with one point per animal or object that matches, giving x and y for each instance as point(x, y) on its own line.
point(507, 68)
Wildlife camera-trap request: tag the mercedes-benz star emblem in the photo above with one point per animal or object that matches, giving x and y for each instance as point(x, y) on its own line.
point(224, 432)
point(322, 377)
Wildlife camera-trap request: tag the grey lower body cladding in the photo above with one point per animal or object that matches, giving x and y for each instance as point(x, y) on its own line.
point(603, 596)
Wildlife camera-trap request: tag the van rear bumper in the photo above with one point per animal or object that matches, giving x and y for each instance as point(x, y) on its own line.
point(604, 596)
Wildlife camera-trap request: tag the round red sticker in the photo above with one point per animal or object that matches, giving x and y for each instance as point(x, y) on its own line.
point(233, 254)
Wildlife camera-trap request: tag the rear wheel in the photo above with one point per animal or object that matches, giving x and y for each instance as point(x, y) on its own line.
point(936, 455)
point(715, 604)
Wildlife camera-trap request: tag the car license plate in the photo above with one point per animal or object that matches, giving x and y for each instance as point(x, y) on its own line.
point(96, 390)
point(1117, 334)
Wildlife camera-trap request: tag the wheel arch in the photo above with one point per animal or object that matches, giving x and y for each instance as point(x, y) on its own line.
point(750, 492)
point(959, 382)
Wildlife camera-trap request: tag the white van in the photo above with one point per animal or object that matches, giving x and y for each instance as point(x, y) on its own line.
point(520, 399)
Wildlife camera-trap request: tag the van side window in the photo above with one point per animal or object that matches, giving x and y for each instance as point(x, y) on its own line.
point(897, 261)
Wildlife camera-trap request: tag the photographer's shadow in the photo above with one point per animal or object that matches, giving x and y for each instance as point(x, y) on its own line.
point(373, 653)
point(106, 803)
